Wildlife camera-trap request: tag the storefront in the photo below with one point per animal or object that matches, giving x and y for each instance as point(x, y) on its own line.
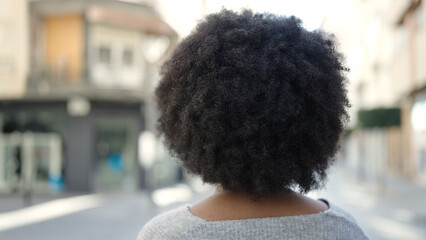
point(45, 149)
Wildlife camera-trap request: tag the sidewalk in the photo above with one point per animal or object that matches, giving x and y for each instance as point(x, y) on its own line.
point(116, 215)
point(392, 189)
point(392, 208)
point(394, 212)
point(15, 201)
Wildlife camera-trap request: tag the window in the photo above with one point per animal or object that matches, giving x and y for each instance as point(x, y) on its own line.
point(105, 55)
point(128, 57)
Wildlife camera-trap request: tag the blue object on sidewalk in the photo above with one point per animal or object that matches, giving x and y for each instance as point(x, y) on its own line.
point(115, 162)
point(56, 183)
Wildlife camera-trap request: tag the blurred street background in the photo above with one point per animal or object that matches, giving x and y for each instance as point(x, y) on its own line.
point(79, 158)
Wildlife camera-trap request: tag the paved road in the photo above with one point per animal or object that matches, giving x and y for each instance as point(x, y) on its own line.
point(395, 212)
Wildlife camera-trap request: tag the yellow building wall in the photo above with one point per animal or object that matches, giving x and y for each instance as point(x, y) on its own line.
point(64, 45)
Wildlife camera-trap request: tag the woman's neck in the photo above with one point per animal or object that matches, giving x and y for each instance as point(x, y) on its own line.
point(224, 205)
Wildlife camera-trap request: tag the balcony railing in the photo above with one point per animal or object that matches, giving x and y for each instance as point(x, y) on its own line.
point(47, 81)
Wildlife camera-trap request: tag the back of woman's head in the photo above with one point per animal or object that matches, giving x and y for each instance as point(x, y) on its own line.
point(254, 102)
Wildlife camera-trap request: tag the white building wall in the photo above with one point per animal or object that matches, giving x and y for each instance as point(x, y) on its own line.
point(117, 73)
point(421, 45)
point(377, 49)
point(14, 48)
point(378, 45)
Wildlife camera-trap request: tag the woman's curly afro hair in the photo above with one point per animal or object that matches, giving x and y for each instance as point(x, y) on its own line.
point(254, 102)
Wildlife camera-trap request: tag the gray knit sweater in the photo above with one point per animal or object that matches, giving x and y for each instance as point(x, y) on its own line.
point(177, 224)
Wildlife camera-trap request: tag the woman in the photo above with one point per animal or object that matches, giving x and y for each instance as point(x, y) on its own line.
point(255, 104)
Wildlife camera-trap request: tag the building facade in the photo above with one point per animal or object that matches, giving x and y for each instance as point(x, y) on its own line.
point(384, 42)
point(76, 122)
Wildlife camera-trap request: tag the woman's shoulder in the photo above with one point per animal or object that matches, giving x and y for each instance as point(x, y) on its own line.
point(168, 224)
point(180, 223)
point(342, 221)
point(339, 213)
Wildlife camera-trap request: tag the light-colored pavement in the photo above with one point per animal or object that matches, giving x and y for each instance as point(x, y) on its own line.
point(395, 212)
point(94, 216)
point(389, 209)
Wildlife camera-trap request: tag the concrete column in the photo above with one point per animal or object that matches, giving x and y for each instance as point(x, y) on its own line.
point(409, 169)
point(79, 151)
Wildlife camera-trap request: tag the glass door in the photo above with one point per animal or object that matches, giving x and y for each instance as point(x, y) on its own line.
point(116, 167)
